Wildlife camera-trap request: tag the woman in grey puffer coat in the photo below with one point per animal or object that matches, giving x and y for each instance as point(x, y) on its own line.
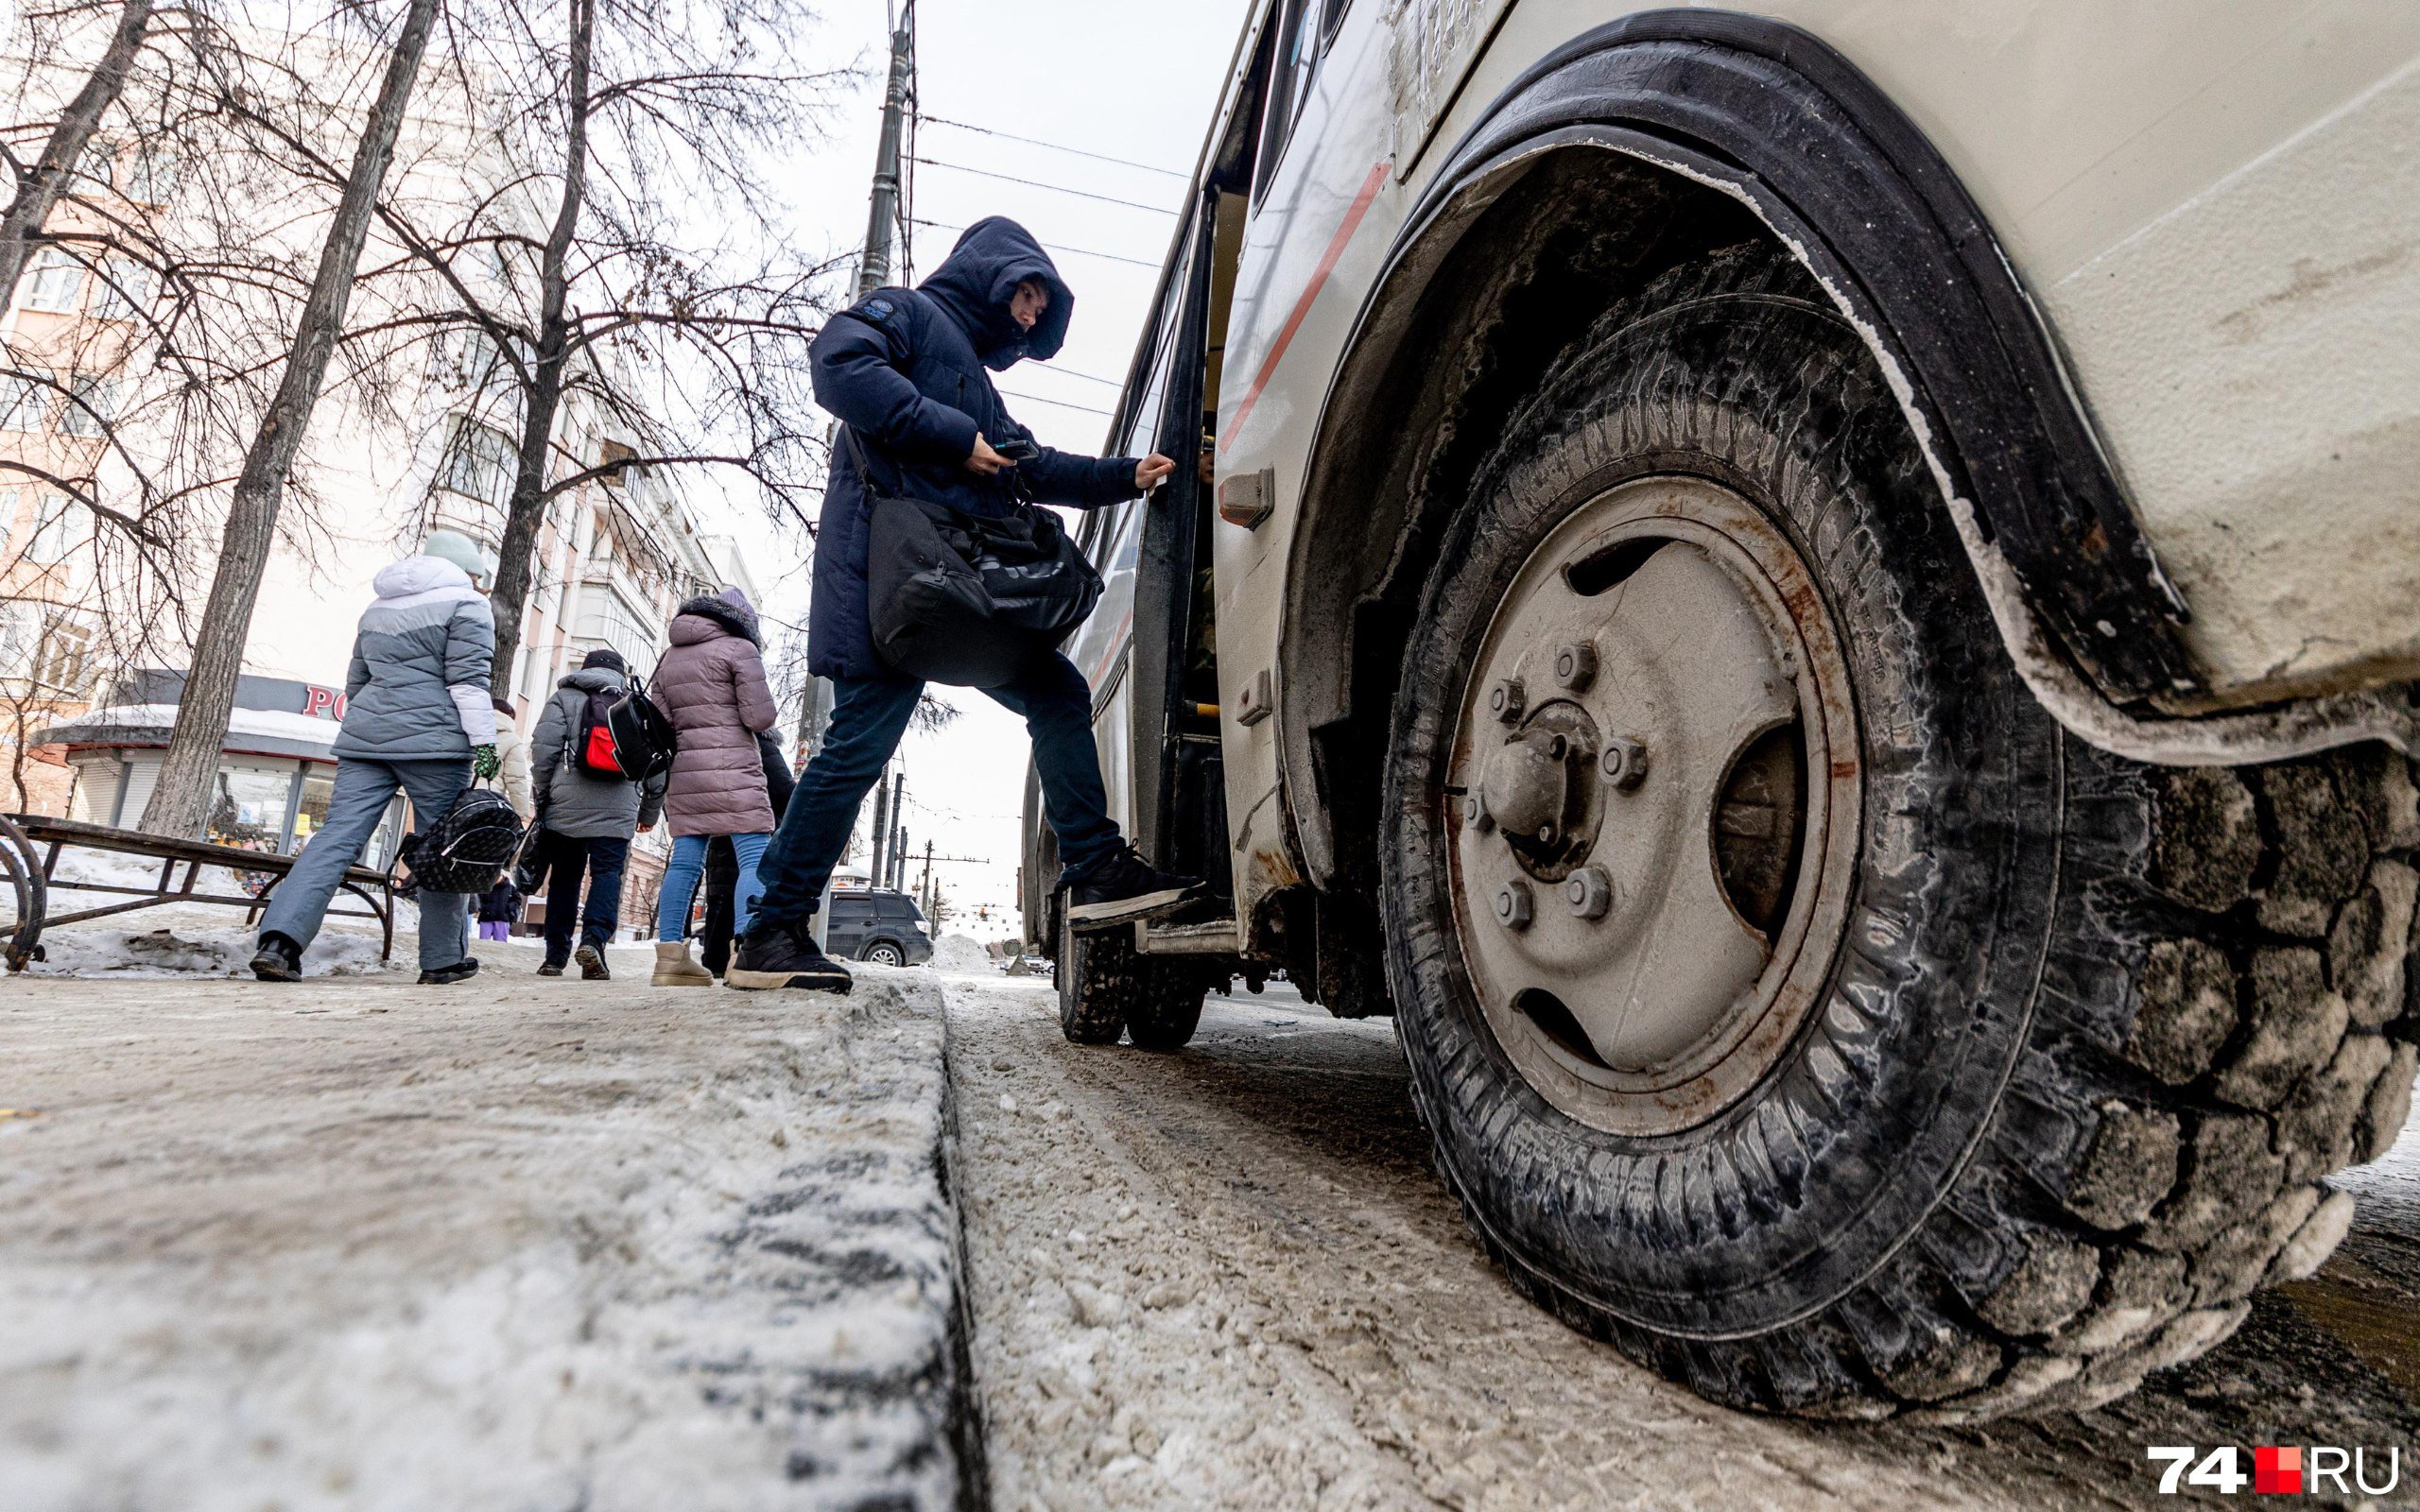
point(585, 819)
point(419, 717)
point(712, 685)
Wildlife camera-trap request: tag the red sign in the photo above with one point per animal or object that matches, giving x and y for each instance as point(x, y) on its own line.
point(325, 703)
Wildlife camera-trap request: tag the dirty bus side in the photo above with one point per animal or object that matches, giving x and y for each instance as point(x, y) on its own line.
point(1758, 596)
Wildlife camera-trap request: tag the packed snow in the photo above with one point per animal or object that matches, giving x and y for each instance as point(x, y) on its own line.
point(518, 1243)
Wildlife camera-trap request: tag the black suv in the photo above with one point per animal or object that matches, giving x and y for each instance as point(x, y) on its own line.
point(879, 925)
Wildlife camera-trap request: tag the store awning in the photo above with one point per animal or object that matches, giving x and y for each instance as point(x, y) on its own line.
point(249, 731)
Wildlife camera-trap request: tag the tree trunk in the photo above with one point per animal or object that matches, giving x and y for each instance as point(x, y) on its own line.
point(180, 804)
point(528, 509)
point(21, 224)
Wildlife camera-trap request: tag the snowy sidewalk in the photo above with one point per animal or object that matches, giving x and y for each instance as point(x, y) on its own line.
point(519, 1244)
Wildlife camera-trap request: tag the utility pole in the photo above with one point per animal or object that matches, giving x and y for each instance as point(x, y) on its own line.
point(899, 825)
point(928, 879)
point(873, 271)
point(881, 830)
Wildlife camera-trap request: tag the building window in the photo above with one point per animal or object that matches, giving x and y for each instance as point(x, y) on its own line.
point(53, 282)
point(481, 464)
point(127, 288)
point(47, 546)
point(249, 805)
point(151, 176)
point(25, 399)
point(94, 405)
point(61, 660)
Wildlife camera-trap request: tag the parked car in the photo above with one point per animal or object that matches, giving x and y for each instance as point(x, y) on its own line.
point(877, 925)
point(1822, 608)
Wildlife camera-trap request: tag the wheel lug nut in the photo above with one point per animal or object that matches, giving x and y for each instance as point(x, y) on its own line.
point(1575, 665)
point(1546, 833)
point(1475, 814)
point(1557, 747)
point(1506, 699)
point(1589, 892)
point(1512, 906)
point(1624, 763)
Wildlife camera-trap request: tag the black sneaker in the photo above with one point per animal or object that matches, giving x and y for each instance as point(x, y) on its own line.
point(783, 957)
point(1123, 888)
point(592, 964)
point(279, 960)
point(448, 975)
point(551, 969)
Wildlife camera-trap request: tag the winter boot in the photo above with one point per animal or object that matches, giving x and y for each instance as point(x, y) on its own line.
point(1123, 888)
point(279, 959)
point(551, 969)
point(592, 963)
point(673, 967)
point(783, 957)
point(460, 971)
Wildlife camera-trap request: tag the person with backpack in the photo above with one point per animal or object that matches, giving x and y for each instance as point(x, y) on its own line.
point(588, 809)
point(418, 718)
point(909, 372)
point(712, 685)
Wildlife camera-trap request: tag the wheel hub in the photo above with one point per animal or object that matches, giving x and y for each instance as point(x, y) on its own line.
point(1642, 861)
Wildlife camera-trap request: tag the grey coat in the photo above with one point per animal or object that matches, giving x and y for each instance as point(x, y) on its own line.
point(578, 803)
point(712, 685)
point(418, 687)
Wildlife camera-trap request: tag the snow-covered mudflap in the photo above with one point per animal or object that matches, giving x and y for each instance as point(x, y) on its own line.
point(1792, 1001)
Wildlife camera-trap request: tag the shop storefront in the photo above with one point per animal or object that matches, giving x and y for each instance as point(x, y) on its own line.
point(274, 776)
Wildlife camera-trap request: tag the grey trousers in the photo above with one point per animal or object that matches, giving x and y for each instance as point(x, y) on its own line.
point(363, 790)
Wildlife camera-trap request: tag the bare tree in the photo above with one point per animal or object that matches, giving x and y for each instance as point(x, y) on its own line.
point(687, 344)
point(180, 803)
point(40, 184)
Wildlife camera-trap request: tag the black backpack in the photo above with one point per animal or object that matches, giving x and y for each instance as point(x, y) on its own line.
point(467, 846)
point(644, 739)
point(623, 734)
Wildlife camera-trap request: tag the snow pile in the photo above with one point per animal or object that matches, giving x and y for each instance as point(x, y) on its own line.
point(200, 940)
point(518, 1243)
point(958, 952)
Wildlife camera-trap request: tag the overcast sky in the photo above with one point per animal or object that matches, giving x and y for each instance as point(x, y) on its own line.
point(1108, 76)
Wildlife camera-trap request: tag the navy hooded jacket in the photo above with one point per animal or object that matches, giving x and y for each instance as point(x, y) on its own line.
point(909, 372)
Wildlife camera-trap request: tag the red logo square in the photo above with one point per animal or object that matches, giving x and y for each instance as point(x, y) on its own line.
point(2277, 1471)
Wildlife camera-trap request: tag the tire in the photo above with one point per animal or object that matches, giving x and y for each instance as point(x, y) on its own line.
point(2088, 1034)
point(1106, 988)
point(1170, 1008)
point(886, 952)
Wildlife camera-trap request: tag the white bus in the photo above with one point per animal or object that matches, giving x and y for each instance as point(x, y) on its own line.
point(1821, 603)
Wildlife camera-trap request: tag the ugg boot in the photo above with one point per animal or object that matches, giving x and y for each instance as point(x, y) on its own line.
point(673, 967)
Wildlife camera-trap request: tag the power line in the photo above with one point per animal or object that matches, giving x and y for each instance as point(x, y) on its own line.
point(1036, 183)
point(1060, 402)
point(1036, 142)
point(1070, 372)
point(1056, 246)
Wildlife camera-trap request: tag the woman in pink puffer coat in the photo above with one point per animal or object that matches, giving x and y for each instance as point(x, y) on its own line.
point(712, 685)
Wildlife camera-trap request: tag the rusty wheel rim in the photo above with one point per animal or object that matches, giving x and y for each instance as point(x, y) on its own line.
point(1654, 806)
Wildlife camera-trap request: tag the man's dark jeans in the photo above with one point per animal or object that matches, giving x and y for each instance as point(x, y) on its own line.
point(603, 859)
point(868, 718)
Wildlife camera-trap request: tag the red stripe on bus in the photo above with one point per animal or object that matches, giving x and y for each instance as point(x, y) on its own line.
point(1302, 306)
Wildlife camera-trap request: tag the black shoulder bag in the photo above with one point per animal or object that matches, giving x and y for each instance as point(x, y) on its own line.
point(953, 597)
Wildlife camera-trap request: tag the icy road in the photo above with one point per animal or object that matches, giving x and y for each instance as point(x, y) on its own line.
point(1228, 1278)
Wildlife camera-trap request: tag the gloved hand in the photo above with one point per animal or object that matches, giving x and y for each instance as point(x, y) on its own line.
point(485, 763)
